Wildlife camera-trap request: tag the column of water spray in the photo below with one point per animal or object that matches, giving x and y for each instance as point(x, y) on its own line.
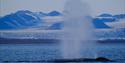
point(78, 28)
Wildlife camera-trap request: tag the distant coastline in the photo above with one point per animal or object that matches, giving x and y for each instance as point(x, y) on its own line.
point(28, 41)
point(51, 41)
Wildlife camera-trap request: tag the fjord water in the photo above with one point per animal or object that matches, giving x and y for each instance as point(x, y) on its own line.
point(39, 52)
point(77, 29)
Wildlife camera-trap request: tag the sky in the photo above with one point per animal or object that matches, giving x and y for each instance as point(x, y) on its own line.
point(97, 6)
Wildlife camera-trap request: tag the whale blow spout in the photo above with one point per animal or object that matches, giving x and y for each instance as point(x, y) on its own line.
point(78, 28)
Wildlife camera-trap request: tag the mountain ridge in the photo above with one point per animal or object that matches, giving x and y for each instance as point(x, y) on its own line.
point(26, 19)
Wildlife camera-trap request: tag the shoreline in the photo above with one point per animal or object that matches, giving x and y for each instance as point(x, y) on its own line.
point(51, 41)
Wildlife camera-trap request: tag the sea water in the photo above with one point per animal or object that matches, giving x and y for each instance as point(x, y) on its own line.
point(39, 52)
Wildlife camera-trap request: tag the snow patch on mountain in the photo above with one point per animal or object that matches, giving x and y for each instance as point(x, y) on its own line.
point(117, 24)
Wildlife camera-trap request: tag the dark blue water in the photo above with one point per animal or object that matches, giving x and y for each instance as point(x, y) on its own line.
point(38, 52)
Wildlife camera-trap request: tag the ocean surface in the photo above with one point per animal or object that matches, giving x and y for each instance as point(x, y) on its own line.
point(48, 51)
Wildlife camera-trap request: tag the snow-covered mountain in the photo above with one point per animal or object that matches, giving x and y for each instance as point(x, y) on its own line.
point(115, 27)
point(107, 26)
point(117, 24)
point(119, 16)
point(27, 19)
point(103, 21)
point(19, 20)
point(100, 20)
point(54, 13)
